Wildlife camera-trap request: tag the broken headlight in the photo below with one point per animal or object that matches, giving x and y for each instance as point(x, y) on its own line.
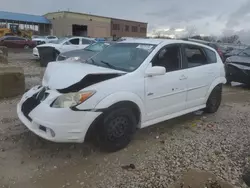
point(72, 99)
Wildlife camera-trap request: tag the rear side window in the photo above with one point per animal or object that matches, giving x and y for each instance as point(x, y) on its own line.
point(195, 56)
point(211, 55)
point(85, 41)
point(51, 37)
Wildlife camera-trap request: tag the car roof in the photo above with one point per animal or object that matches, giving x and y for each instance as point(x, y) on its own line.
point(164, 42)
point(87, 38)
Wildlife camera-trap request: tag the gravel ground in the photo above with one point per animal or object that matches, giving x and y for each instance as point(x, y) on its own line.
point(157, 157)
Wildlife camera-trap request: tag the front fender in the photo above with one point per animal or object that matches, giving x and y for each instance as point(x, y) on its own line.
point(220, 80)
point(122, 96)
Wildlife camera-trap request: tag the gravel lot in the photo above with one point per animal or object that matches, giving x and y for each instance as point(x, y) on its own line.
point(158, 156)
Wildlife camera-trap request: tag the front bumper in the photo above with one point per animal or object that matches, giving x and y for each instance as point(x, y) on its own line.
point(237, 74)
point(54, 124)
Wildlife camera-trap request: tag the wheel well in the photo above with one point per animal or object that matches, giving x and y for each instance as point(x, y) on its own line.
point(131, 105)
point(219, 85)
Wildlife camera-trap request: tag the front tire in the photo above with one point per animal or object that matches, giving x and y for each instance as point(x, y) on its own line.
point(116, 129)
point(26, 47)
point(214, 100)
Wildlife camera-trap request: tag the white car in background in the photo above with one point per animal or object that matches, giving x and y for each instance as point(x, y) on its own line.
point(44, 39)
point(129, 85)
point(66, 44)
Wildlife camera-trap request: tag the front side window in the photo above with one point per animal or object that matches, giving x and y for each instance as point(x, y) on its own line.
point(168, 57)
point(195, 56)
point(123, 56)
point(18, 38)
point(75, 41)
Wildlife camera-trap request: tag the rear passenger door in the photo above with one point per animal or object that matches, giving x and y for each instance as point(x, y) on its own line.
point(200, 63)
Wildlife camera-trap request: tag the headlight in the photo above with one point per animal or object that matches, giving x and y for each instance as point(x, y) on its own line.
point(72, 99)
point(228, 60)
point(73, 58)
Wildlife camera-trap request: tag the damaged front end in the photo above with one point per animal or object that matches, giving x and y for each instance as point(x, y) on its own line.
point(238, 72)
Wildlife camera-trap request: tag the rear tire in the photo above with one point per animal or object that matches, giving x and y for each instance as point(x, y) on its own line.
point(214, 100)
point(116, 129)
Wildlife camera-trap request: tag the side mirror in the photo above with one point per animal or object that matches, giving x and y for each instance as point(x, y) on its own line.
point(155, 71)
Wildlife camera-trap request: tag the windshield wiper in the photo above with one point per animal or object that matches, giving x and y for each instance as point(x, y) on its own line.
point(87, 49)
point(93, 61)
point(108, 64)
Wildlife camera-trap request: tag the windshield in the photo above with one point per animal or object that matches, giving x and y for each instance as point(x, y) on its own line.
point(245, 53)
point(97, 47)
point(123, 56)
point(59, 41)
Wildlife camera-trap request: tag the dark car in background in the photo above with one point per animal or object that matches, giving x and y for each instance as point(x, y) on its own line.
point(86, 53)
point(238, 67)
point(16, 42)
point(234, 52)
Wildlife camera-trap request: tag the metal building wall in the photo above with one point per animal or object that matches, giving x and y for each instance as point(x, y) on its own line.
point(62, 24)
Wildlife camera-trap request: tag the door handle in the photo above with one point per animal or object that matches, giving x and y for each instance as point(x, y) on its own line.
point(183, 77)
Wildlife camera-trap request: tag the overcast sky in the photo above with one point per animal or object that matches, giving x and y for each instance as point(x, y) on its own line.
point(208, 16)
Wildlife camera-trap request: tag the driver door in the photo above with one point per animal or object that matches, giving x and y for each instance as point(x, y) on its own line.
point(166, 94)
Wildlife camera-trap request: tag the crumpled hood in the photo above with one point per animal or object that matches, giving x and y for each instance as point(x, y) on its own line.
point(63, 75)
point(239, 59)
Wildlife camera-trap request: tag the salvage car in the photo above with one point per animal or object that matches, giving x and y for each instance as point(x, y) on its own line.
point(238, 67)
point(44, 39)
point(65, 44)
point(16, 42)
point(129, 85)
point(234, 52)
point(84, 54)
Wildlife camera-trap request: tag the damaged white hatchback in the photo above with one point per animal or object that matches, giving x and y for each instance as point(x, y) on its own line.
point(129, 85)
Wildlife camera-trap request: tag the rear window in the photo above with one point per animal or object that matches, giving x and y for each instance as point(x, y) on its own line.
point(211, 55)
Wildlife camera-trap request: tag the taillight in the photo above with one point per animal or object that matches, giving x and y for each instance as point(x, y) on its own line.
point(219, 52)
